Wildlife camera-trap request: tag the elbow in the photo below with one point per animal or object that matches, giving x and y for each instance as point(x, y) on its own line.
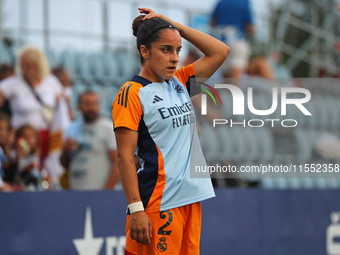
point(225, 52)
point(121, 160)
point(222, 54)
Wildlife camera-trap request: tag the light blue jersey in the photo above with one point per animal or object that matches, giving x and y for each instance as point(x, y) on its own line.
point(168, 144)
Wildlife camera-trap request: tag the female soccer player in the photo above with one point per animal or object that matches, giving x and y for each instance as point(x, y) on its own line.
point(154, 118)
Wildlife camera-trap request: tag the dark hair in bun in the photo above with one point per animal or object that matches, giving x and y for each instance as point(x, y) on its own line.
point(147, 31)
point(138, 21)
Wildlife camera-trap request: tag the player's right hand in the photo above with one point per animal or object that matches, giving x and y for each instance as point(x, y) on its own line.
point(140, 227)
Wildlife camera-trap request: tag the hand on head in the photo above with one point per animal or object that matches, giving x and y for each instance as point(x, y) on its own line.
point(150, 13)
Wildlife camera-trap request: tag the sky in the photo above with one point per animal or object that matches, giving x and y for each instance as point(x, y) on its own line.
point(69, 18)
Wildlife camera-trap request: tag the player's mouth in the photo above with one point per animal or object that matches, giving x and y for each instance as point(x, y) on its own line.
point(171, 68)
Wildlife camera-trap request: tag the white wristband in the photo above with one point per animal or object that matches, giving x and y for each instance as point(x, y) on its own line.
point(136, 207)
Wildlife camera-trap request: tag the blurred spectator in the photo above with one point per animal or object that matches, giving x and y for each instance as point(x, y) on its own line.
point(232, 23)
point(260, 67)
point(62, 120)
point(6, 71)
point(5, 133)
point(6, 145)
point(32, 94)
point(191, 57)
point(2, 183)
point(64, 78)
point(90, 148)
point(27, 156)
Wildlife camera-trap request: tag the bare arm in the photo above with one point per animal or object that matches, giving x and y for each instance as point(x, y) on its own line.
point(2, 98)
point(114, 174)
point(214, 50)
point(126, 145)
point(140, 224)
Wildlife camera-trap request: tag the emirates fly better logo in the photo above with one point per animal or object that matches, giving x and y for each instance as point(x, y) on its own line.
point(239, 99)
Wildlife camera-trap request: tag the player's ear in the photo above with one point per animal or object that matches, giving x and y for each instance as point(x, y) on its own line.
point(144, 52)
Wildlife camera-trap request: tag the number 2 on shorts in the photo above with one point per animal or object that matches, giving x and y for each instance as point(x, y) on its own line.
point(163, 216)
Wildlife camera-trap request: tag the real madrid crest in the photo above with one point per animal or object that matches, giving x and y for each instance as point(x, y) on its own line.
point(162, 246)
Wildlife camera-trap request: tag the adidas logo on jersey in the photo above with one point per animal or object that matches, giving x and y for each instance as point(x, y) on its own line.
point(157, 99)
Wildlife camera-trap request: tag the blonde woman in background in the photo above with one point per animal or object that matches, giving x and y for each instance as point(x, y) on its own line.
point(33, 94)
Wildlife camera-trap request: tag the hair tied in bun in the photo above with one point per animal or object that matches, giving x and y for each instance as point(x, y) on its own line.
point(136, 24)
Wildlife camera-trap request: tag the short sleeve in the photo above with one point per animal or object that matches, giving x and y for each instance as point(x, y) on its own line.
point(57, 86)
point(184, 74)
point(127, 109)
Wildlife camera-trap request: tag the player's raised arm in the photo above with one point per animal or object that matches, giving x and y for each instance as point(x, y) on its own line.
point(214, 50)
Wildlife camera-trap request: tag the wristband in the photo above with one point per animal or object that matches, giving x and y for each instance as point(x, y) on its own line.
point(136, 207)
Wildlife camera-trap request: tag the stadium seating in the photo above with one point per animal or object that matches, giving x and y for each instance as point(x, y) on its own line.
point(98, 68)
point(68, 61)
point(106, 72)
point(52, 57)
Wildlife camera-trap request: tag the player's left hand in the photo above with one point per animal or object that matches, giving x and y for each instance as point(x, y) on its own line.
point(150, 13)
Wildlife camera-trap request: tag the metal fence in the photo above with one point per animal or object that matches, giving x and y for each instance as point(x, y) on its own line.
point(36, 20)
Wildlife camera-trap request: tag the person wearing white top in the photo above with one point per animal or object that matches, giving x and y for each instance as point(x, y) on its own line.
point(33, 94)
point(24, 105)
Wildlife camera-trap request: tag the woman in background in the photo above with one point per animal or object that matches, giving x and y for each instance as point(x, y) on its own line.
point(32, 95)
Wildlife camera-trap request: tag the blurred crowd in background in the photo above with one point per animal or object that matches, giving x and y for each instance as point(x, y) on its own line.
point(55, 126)
point(43, 147)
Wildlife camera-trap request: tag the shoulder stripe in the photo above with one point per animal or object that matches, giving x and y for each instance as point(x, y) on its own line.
point(122, 98)
point(119, 97)
point(126, 95)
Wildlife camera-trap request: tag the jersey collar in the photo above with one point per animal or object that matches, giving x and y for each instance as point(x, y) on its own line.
point(141, 80)
point(144, 81)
